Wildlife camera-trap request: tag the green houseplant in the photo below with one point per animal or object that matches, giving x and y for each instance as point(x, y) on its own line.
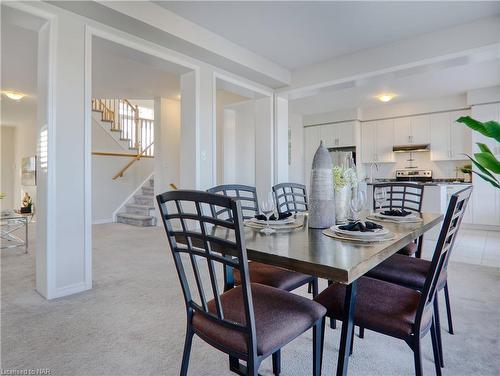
point(485, 160)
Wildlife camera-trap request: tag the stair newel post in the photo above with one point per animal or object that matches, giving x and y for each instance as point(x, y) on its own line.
point(137, 130)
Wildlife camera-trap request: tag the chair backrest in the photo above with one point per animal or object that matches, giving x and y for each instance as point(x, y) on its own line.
point(290, 197)
point(197, 239)
point(408, 196)
point(246, 194)
point(449, 230)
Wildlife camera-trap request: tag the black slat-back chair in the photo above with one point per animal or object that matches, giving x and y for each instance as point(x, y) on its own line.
point(259, 273)
point(240, 322)
point(290, 197)
point(245, 193)
point(407, 196)
point(399, 311)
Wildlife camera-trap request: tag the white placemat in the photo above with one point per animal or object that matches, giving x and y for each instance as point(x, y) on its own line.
point(385, 238)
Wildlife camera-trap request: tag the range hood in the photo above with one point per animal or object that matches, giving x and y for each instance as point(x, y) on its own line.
point(410, 148)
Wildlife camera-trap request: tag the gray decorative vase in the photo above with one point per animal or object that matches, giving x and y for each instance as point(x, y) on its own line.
point(321, 196)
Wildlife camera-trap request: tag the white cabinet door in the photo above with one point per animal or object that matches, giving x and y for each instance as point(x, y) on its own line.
point(440, 136)
point(385, 141)
point(329, 134)
point(368, 141)
point(486, 112)
point(402, 131)
point(420, 129)
point(311, 143)
point(461, 137)
point(347, 133)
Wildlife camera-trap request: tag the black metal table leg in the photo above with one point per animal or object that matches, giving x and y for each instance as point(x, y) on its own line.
point(347, 326)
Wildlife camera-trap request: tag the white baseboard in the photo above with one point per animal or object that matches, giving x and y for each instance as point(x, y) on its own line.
point(70, 290)
point(101, 221)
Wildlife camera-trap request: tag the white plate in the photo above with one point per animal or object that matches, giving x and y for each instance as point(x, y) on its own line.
point(358, 234)
point(332, 234)
point(280, 222)
point(411, 216)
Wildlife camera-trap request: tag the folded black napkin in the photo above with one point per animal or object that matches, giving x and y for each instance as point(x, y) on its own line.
point(281, 216)
point(396, 212)
point(360, 226)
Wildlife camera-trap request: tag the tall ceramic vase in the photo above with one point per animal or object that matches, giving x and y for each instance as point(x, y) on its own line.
point(321, 196)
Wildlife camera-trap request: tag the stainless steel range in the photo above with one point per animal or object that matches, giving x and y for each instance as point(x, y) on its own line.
point(413, 175)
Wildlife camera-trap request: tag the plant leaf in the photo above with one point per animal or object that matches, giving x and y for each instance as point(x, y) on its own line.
point(493, 129)
point(487, 179)
point(488, 161)
point(473, 124)
point(483, 147)
point(482, 169)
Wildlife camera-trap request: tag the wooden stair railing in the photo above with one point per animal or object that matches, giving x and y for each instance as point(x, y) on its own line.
point(124, 117)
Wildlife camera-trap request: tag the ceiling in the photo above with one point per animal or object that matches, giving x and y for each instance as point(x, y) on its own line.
point(419, 86)
point(122, 72)
point(296, 34)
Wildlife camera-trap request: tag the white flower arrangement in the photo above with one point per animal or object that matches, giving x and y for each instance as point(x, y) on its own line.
point(344, 177)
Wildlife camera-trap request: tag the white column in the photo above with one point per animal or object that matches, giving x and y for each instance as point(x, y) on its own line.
point(281, 140)
point(167, 144)
point(264, 136)
point(63, 260)
point(188, 157)
point(207, 131)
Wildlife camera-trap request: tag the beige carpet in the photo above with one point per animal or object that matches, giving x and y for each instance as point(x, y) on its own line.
point(132, 321)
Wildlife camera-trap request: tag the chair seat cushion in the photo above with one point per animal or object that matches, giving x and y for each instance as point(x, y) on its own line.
point(409, 250)
point(405, 271)
point(280, 316)
point(380, 306)
point(273, 276)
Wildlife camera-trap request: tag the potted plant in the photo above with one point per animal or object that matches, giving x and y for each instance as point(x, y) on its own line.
point(485, 161)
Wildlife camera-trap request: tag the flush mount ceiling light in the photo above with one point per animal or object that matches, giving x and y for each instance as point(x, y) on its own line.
point(15, 96)
point(385, 97)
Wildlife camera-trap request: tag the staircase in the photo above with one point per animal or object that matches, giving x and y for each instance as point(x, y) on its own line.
point(140, 210)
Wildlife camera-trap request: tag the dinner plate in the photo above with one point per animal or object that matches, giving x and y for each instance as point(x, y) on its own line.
point(279, 222)
point(358, 234)
point(329, 232)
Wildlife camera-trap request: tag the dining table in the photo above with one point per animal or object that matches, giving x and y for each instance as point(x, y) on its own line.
point(310, 251)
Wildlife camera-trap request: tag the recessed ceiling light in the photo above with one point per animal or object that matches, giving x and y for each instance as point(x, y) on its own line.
point(16, 96)
point(385, 97)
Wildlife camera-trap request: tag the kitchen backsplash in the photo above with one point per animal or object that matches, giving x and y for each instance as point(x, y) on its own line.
point(441, 170)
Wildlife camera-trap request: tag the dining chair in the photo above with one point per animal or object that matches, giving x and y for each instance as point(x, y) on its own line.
point(407, 196)
point(241, 322)
point(290, 197)
point(399, 311)
point(259, 273)
point(412, 272)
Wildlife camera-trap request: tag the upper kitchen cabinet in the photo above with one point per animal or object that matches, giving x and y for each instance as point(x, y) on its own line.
point(412, 130)
point(484, 113)
point(338, 135)
point(449, 140)
point(377, 140)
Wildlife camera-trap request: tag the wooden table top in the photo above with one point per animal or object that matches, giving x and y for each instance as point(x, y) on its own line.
point(311, 252)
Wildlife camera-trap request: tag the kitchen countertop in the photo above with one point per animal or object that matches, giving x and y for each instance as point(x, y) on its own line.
point(434, 182)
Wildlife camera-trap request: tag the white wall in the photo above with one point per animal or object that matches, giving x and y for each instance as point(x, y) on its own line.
point(296, 167)
point(7, 136)
point(109, 194)
point(223, 99)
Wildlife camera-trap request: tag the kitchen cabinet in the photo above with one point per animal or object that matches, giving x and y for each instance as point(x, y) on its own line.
point(412, 130)
point(377, 140)
point(449, 139)
point(338, 135)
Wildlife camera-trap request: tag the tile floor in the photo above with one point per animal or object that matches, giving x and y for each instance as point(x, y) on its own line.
point(478, 247)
